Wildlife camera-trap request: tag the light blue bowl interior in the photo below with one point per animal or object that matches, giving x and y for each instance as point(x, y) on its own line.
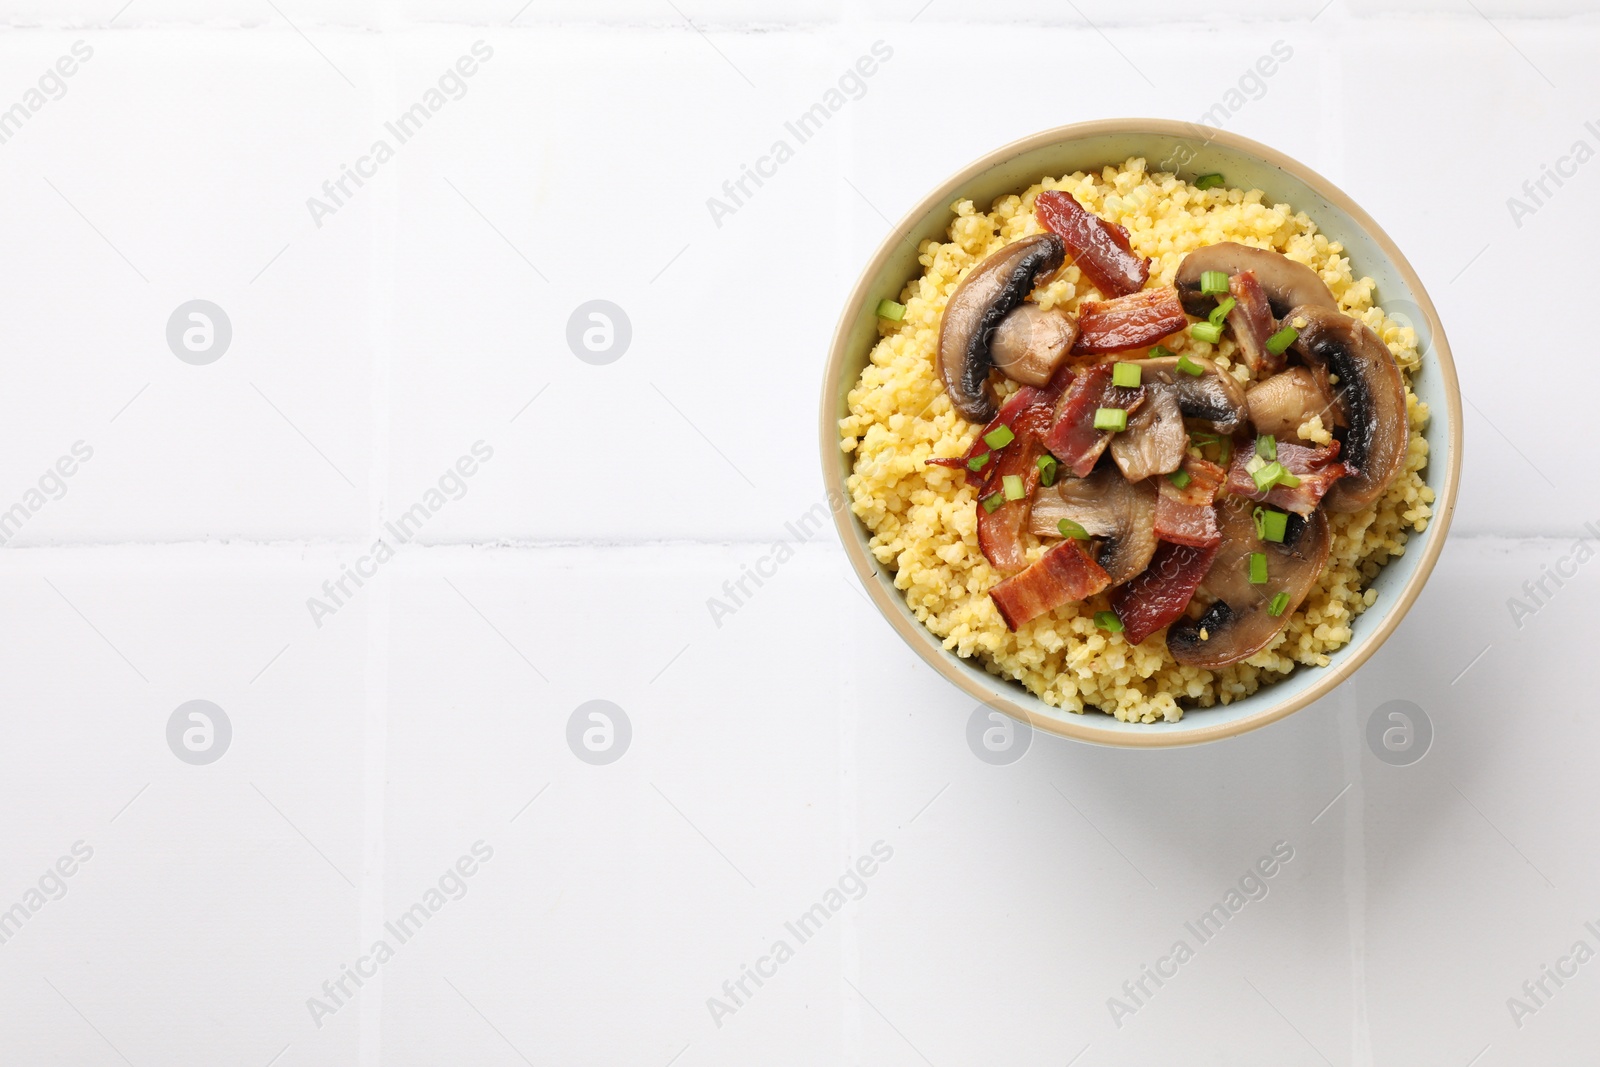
point(1242, 170)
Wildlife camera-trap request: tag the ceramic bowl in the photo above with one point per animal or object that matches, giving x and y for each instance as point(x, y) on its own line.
point(1191, 151)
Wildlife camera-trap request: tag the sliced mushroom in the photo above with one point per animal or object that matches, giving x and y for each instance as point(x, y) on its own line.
point(1211, 396)
point(1287, 283)
point(1155, 440)
point(979, 304)
point(1030, 343)
point(1281, 404)
point(1240, 622)
point(1370, 396)
point(1119, 513)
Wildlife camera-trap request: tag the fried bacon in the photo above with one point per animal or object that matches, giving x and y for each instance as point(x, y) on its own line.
point(1252, 323)
point(1000, 530)
point(1161, 594)
point(1072, 438)
point(1317, 469)
point(1101, 250)
point(1137, 320)
point(1064, 574)
point(1185, 516)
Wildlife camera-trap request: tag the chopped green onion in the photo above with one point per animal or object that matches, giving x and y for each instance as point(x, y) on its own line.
point(1113, 419)
point(976, 463)
point(1047, 470)
point(1267, 446)
point(1208, 332)
point(1208, 181)
point(1279, 602)
point(1189, 366)
point(1279, 342)
point(991, 502)
point(1073, 530)
point(1179, 478)
point(888, 309)
point(1012, 484)
point(1126, 375)
point(1267, 476)
point(1198, 438)
point(1213, 282)
point(1220, 312)
point(1160, 352)
point(1224, 449)
point(1108, 621)
point(1288, 480)
point(1258, 568)
point(1271, 525)
point(999, 437)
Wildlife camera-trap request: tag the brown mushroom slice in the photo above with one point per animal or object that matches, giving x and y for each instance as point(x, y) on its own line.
point(1283, 403)
point(1369, 394)
point(1212, 396)
point(1155, 440)
point(1118, 513)
point(1240, 622)
point(979, 304)
point(1030, 343)
point(1287, 284)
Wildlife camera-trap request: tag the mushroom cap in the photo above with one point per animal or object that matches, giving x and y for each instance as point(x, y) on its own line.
point(1156, 440)
point(1370, 396)
point(1286, 283)
point(1280, 404)
point(1238, 624)
point(980, 302)
point(1030, 343)
point(1212, 396)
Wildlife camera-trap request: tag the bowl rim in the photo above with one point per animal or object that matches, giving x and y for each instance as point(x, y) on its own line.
point(1003, 693)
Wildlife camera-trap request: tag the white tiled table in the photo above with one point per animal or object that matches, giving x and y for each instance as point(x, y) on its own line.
point(375, 744)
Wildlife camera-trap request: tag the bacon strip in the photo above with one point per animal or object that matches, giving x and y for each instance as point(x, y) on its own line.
point(1062, 575)
point(1252, 322)
point(1185, 516)
point(1161, 594)
point(1072, 438)
point(1317, 469)
point(1000, 530)
point(1100, 249)
point(1133, 321)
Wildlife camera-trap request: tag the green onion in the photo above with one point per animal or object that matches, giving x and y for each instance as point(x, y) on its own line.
point(1220, 312)
point(1271, 525)
point(1267, 446)
point(1198, 438)
point(1179, 478)
point(1279, 342)
point(1047, 470)
point(1113, 419)
point(1213, 282)
point(1279, 602)
point(1209, 332)
point(1268, 475)
point(999, 437)
point(1160, 352)
point(976, 463)
point(1208, 181)
point(1012, 484)
point(1126, 375)
point(1071, 529)
point(1189, 366)
point(1108, 621)
point(1287, 480)
point(888, 309)
point(1224, 449)
point(991, 502)
point(1258, 568)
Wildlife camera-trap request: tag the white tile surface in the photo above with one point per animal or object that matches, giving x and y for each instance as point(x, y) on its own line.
point(429, 712)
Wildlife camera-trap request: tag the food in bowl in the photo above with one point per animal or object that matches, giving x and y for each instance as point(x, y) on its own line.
point(1139, 443)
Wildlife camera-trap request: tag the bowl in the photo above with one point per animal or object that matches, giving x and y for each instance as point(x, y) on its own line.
point(1190, 150)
